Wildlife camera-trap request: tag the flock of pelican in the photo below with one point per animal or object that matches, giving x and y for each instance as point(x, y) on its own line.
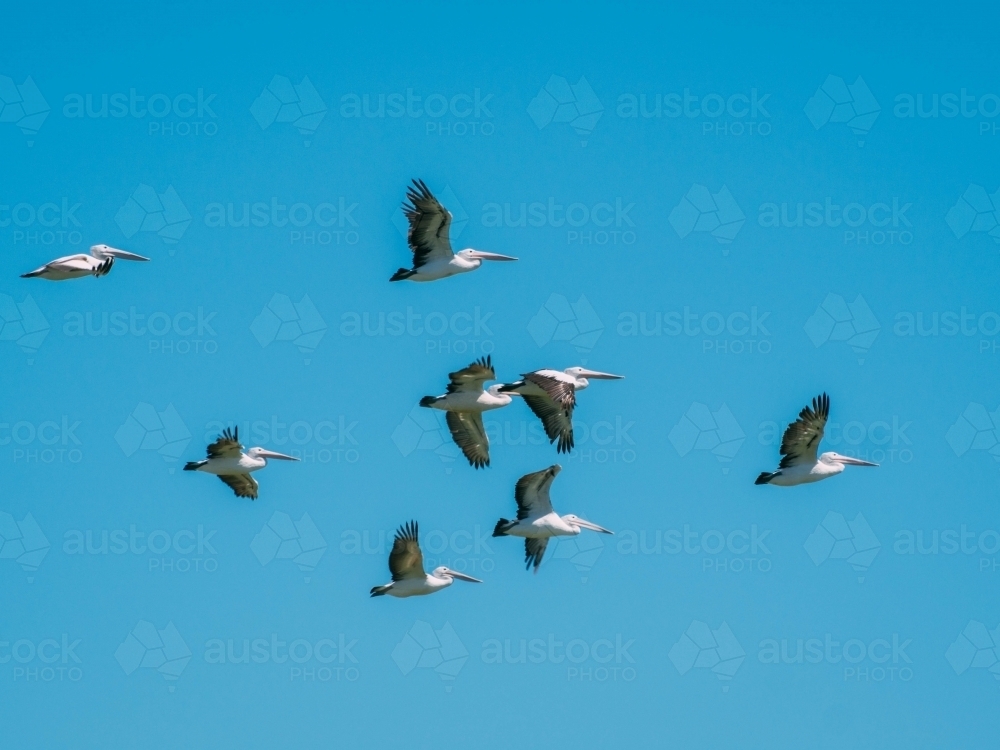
point(550, 394)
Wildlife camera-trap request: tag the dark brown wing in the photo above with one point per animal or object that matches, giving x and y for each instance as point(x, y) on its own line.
point(467, 431)
point(406, 560)
point(430, 223)
point(243, 485)
point(562, 393)
point(557, 421)
point(801, 439)
point(472, 377)
point(227, 445)
point(534, 551)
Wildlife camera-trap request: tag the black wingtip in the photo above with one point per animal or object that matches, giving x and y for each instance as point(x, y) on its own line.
point(401, 275)
point(428, 401)
point(764, 478)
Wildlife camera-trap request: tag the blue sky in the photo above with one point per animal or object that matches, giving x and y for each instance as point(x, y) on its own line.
point(734, 208)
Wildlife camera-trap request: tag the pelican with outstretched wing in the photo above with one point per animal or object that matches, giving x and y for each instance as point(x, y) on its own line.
point(799, 445)
point(229, 463)
point(551, 395)
point(428, 238)
point(406, 563)
point(97, 264)
point(536, 521)
point(464, 404)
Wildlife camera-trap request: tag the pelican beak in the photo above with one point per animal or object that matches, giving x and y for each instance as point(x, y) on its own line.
point(855, 461)
point(462, 576)
point(592, 526)
point(272, 454)
point(123, 254)
point(594, 374)
point(482, 255)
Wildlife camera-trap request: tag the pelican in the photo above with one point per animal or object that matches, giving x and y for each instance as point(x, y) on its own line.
point(229, 463)
point(464, 404)
point(428, 238)
point(799, 464)
point(551, 395)
point(406, 563)
point(536, 521)
point(98, 263)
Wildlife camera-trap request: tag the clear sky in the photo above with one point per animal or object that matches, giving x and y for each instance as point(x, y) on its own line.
point(736, 208)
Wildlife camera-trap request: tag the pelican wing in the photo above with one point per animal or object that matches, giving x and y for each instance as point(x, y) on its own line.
point(557, 421)
point(227, 445)
point(801, 439)
point(472, 377)
point(467, 430)
point(243, 485)
point(430, 223)
point(532, 494)
point(406, 560)
point(559, 391)
point(534, 551)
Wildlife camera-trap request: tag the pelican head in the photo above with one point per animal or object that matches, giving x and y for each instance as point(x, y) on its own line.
point(449, 574)
point(582, 375)
point(481, 255)
point(836, 458)
point(106, 251)
point(266, 454)
point(578, 523)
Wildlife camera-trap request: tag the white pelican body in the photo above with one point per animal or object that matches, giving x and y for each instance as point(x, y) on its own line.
point(429, 240)
point(464, 404)
point(536, 521)
point(406, 563)
point(551, 395)
point(229, 463)
point(799, 462)
point(97, 264)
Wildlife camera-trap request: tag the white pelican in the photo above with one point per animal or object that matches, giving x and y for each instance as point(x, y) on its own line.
point(799, 464)
point(227, 461)
point(428, 238)
point(464, 404)
point(98, 263)
point(406, 563)
point(536, 521)
point(551, 395)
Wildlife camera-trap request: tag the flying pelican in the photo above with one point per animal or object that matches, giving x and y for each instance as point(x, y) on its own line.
point(428, 238)
point(464, 404)
point(551, 395)
point(229, 463)
point(406, 563)
point(536, 521)
point(799, 464)
point(98, 263)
